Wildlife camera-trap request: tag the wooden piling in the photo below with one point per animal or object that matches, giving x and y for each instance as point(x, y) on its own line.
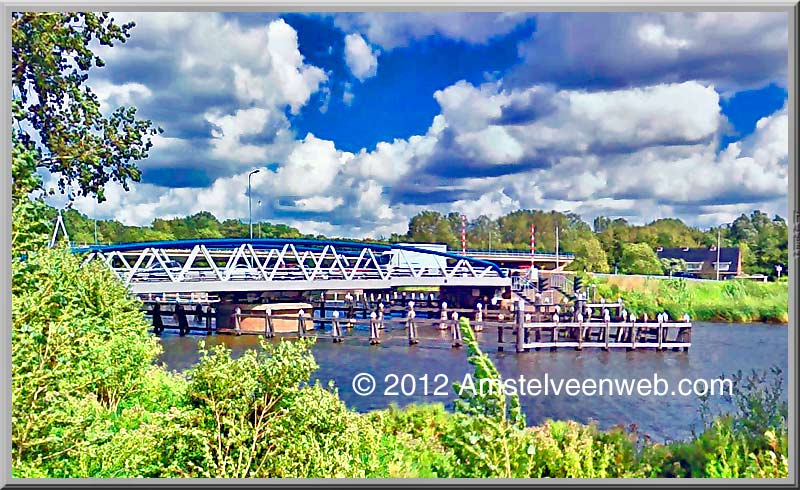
point(301, 323)
point(520, 321)
point(443, 317)
point(336, 328)
point(456, 331)
point(269, 331)
point(237, 321)
point(411, 325)
point(158, 321)
point(374, 332)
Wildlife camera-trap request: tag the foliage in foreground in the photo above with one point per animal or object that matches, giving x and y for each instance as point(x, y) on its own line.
point(88, 401)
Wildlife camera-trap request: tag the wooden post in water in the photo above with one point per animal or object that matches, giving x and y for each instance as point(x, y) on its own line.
point(336, 328)
point(580, 332)
point(237, 321)
point(208, 315)
point(374, 332)
point(301, 323)
point(660, 320)
point(520, 321)
point(269, 331)
point(443, 317)
point(526, 332)
point(500, 328)
point(607, 320)
point(555, 332)
point(380, 315)
point(479, 318)
point(411, 324)
point(621, 329)
point(183, 320)
point(351, 312)
point(633, 332)
point(158, 322)
point(456, 331)
point(685, 333)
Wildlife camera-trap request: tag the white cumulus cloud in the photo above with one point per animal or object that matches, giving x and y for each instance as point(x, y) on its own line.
point(361, 59)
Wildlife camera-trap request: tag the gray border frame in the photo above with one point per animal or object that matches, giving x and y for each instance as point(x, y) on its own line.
point(791, 7)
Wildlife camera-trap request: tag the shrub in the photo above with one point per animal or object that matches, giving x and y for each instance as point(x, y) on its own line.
point(80, 351)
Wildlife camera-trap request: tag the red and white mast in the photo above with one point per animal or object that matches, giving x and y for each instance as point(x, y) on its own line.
point(533, 243)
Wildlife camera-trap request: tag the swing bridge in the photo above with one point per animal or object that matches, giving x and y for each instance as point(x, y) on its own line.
point(260, 265)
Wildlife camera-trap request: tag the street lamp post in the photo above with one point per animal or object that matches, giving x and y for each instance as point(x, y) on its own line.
point(557, 261)
point(259, 223)
point(249, 198)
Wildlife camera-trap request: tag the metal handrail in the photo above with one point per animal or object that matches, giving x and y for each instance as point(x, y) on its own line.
point(519, 253)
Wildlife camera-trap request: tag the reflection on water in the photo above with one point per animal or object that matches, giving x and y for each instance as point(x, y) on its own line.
point(717, 349)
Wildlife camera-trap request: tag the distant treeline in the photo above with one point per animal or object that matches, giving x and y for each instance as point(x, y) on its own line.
point(607, 245)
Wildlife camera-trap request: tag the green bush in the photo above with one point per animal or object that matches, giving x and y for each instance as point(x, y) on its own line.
point(80, 352)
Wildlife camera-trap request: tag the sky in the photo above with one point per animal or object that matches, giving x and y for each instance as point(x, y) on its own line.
point(358, 121)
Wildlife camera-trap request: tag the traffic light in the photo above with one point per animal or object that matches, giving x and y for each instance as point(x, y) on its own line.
point(577, 284)
point(544, 284)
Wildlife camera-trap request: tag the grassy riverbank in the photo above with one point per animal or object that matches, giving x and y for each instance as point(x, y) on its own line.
point(738, 301)
point(89, 401)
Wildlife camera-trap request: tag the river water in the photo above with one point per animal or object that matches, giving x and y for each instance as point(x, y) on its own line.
point(717, 349)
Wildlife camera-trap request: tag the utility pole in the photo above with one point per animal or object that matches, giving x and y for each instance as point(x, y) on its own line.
point(719, 239)
point(95, 231)
point(249, 198)
point(556, 247)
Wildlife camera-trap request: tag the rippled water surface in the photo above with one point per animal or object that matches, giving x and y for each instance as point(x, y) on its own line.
point(717, 349)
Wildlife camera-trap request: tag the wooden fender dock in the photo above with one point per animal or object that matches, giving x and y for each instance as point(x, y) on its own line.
point(624, 331)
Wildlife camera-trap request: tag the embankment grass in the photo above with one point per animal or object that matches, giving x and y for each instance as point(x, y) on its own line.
point(735, 301)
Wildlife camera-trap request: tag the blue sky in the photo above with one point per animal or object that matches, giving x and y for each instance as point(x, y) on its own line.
point(361, 120)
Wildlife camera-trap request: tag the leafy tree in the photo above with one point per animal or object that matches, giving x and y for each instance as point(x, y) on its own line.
point(432, 227)
point(29, 223)
point(57, 116)
point(589, 256)
point(672, 266)
point(639, 258)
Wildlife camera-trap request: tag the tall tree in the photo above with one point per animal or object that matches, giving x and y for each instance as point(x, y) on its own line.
point(639, 258)
point(56, 114)
point(589, 256)
point(432, 227)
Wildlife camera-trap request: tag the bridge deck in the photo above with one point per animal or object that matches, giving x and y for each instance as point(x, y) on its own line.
point(228, 265)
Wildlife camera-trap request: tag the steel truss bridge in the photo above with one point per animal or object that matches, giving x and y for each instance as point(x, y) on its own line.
point(240, 265)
